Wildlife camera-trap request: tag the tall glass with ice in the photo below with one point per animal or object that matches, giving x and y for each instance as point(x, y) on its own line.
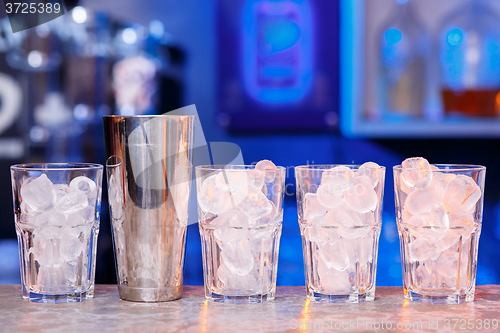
point(56, 209)
point(439, 214)
point(340, 213)
point(240, 212)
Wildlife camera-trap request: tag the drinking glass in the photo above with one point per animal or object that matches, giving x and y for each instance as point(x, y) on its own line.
point(56, 209)
point(240, 212)
point(340, 212)
point(439, 214)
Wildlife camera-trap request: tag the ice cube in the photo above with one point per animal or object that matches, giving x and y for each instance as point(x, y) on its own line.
point(71, 272)
point(437, 185)
point(465, 263)
point(80, 231)
point(315, 234)
point(265, 232)
point(420, 249)
point(402, 185)
point(421, 226)
point(256, 178)
point(439, 182)
point(461, 195)
point(262, 241)
point(434, 245)
point(417, 172)
point(338, 179)
point(50, 279)
point(336, 283)
point(349, 223)
point(328, 197)
point(312, 207)
point(439, 218)
point(203, 203)
point(234, 284)
point(334, 255)
point(466, 219)
point(364, 250)
point(320, 265)
point(28, 214)
point(318, 221)
point(447, 240)
point(238, 257)
point(71, 248)
point(39, 193)
point(46, 244)
point(71, 203)
point(272, 218)
point(420, 201)
point(368, 218)
point(75, 219)
point(361, 197)
point(212, 199)
point(343, 216)
point(231, 226)
point(231, 180)
point(405, 215)
point(371, 170)
point(238, 196)
point(51, 217)
point(360, 250)
point(85, 185)
point(89, 214)
point(255, 205)
point(223, 274)
point(420, 220)
point(264, 190)
point(447, 264)
point(61, 190)
point(422, 276)
point(269, 169)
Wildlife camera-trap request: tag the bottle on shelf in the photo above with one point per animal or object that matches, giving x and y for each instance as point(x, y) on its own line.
point(469, 55)
point(403, 51)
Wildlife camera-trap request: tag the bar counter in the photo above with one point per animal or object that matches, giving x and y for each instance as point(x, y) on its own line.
point(290, 311)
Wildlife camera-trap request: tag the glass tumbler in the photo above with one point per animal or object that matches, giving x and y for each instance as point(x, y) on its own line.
point(240, 212)
point(56, 209)
point(439, 213)
point(340, 212)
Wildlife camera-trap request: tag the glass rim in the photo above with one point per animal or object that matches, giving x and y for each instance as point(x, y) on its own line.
point(326, 167)
point(56, 166)
point(239, 167)
point(447, 167)
point(149, 116)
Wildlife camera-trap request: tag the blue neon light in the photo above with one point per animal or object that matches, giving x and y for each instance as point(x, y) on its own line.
point(454, 37)
point(393, 36)
point(277, 50)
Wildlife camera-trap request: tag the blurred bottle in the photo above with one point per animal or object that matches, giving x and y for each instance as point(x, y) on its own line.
point(147, 77)
point(12, 122)
point(403, 50)
point(470, 60)
point(36, 54)
point(87, 60)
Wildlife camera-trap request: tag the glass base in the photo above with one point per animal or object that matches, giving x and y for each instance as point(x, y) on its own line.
point(60, 298)
point(351, 298)
point(440, 299)
point(259, 298)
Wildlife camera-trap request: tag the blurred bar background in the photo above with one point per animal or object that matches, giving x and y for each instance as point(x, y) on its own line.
point(294, 81)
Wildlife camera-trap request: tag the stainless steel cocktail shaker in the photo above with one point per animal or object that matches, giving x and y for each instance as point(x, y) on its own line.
point(149, 171)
